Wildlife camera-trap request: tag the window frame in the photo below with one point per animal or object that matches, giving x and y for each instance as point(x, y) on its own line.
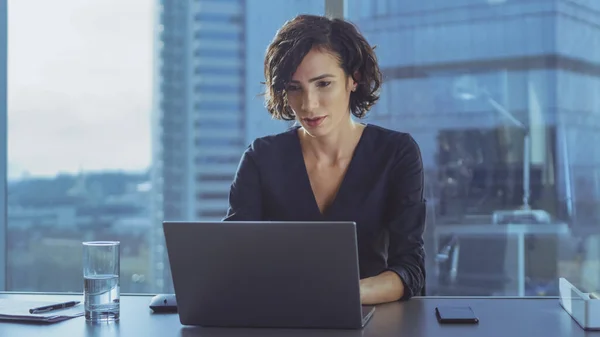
point(3, 144)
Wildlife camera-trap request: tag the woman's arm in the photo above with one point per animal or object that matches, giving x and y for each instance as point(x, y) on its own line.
point(385, 287)
point(405, 275)
point(245, 199)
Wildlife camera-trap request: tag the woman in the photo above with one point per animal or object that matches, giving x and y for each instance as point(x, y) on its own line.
point(320, 72)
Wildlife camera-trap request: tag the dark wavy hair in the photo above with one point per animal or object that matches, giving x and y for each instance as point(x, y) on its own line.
point(341, 38)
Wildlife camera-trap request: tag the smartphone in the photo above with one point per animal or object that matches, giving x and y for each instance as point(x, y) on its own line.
point(456, 315)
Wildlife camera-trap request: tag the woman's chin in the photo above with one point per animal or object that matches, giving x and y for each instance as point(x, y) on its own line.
point(315, 132)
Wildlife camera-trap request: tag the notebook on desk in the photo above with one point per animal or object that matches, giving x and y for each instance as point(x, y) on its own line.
point(18, 311)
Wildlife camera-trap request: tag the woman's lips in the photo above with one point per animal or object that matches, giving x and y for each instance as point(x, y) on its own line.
point(314, 122)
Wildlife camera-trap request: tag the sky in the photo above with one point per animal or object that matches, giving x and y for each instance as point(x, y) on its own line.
point(79, 85)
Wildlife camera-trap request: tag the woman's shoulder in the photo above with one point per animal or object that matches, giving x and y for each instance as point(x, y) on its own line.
point(391, 141)
point(273, 145)
point(394, 150)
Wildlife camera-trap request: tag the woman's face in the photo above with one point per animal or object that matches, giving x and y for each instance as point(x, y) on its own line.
point(319, 93)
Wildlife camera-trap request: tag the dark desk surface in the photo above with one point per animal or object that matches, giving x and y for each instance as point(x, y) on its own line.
point(500, 317)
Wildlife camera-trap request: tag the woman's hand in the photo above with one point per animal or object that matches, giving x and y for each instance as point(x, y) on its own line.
point(385, 287)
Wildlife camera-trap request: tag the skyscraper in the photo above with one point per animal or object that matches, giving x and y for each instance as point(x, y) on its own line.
point(199, 116)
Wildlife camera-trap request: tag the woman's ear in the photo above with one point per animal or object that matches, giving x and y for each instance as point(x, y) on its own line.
point(351, 83)
point(355, 80)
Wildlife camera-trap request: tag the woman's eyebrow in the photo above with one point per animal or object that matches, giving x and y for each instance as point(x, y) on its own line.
point(320, 77)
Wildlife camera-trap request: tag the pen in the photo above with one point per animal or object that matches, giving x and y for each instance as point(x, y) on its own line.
point(53, 307)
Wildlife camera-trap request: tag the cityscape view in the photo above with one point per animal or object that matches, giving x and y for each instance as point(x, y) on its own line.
point(111, 131)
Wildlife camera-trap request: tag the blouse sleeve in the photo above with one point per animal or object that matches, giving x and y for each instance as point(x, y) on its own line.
point(245, 200)
point(406, 218)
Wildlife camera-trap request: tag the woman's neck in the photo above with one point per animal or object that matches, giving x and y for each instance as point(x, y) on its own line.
point(337, 146)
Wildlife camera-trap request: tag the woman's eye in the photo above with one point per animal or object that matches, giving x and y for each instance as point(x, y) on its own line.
point(292, 88)
point(324, 84)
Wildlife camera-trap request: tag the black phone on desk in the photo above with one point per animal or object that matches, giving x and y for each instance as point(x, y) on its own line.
point(456, 315)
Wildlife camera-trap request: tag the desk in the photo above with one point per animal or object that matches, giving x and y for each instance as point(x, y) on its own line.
point(415, 318)
point(520, 230)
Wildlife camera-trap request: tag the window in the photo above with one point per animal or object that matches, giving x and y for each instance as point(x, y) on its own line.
point(482, 98)
point(215, 215)
point(217, 53)
point(217, 159)
point(216, 17)
point(217, 71)
point(114, 126)
point(216, 124)
point(217, 105)
point(214, 195)
point(219, 36)
point(216, 177)
point(218, 142)
point(105, 127)
point(217, 88)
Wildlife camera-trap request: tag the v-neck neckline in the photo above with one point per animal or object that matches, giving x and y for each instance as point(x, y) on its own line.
point(306, 179)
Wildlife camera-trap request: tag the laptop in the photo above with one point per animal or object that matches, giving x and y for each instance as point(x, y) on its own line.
point(266, 274)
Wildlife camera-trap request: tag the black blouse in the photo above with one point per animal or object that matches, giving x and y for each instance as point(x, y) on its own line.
point(382, 192)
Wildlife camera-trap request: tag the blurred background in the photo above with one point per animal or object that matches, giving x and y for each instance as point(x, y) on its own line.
point(122, 114)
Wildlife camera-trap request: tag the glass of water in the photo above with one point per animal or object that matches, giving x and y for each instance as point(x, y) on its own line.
point(101, 269)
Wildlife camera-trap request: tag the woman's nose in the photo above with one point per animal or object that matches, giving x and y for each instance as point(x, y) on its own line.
point(309, 101)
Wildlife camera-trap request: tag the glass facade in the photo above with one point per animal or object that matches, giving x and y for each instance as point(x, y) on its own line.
point(499, 94)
